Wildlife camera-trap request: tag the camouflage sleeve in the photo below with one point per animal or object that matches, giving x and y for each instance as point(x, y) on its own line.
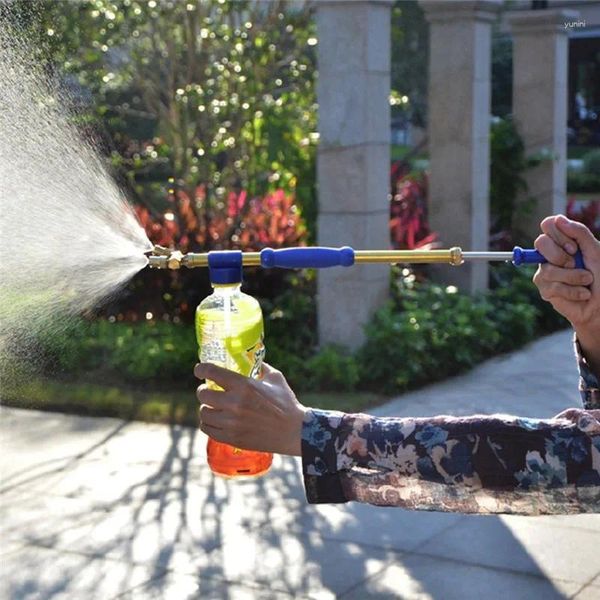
point(589, 385)
point(478, 464)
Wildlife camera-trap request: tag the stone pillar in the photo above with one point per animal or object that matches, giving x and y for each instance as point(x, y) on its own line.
point(353, 160)
point(458, 124)
point(540, 83)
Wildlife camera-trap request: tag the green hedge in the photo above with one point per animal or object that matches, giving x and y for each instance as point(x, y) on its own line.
point(132, 351)
point(588, 179)
point(429, 332)
point(583, 183)
point(94, 399)
point(425, 333)
point(591, 162)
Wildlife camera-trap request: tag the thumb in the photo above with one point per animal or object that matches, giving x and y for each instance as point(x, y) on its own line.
point(268, 369)
point(272, 376)
point(579, 232)
point(269, 372)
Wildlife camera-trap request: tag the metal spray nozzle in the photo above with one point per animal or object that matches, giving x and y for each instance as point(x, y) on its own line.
point(163, 258)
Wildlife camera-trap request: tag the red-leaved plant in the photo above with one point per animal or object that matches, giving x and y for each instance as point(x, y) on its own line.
point(587, 213)
point(239, 222)
point(409, 226)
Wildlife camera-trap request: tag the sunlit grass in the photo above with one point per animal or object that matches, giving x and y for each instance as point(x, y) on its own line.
point(177, 406)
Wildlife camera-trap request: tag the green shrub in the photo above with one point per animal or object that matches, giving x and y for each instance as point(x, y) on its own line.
point(161, 351)
point(514, 288)
point(429, 332)
point(591, 162)
point(582, 182)
point(60, 348)
point(291, 330)
point(434, 333)
point(509, 163)
point(332, 369)
point(134, 351)
point(155, 350)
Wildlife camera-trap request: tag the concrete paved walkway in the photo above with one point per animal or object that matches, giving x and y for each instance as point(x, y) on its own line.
point(101, 508)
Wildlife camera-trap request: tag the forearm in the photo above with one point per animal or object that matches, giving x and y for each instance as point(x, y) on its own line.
point(468, 464)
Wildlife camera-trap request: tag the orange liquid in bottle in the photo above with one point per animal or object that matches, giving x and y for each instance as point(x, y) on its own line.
point(228, 461)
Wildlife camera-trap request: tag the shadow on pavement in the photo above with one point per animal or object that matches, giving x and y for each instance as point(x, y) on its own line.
point(138, 514)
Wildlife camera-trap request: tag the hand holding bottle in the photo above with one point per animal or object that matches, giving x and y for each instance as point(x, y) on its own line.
point(262, 415)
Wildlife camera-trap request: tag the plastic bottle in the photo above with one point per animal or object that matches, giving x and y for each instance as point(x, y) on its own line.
point(229, 330)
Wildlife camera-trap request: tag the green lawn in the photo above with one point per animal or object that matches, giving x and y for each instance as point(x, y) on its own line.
point(579, 151)
point(176, 406)
point(398, 152)
point(585, 196)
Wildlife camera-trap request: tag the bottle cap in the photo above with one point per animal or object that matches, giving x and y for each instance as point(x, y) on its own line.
point(225, 266)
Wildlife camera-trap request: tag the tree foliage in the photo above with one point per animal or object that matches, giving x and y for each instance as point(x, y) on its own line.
point(410, 56)
point(194, 95)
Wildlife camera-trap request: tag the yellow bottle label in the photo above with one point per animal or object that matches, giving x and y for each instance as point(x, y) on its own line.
point(234, 342)
point(247, 350)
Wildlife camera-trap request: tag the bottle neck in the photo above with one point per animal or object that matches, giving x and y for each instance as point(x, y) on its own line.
point(226, 289)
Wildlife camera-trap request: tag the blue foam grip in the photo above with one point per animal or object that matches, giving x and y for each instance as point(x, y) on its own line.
point(533, 257)
point(307, 258)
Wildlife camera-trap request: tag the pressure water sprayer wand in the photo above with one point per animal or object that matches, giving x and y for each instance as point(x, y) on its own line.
point(318, 257)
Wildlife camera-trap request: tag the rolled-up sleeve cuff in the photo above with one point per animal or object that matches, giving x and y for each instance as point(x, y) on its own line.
point(319, 457)
point(589, 385)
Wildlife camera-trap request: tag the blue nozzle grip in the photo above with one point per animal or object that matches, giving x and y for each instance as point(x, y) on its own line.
point(306, 258)
point(533, 257)
point(225, 266)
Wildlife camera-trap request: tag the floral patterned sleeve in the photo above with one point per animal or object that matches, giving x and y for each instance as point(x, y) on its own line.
point(589, 385)
point(478, 464)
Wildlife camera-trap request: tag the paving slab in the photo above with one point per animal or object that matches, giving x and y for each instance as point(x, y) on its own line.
point(114, 459)
point(38, 573)
point(300, 564)
point(381, 527)
point(175, 586)
point(538, 381)
point(177, 520)
point(590, 592)
point(425, 578)
point(526, 546)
